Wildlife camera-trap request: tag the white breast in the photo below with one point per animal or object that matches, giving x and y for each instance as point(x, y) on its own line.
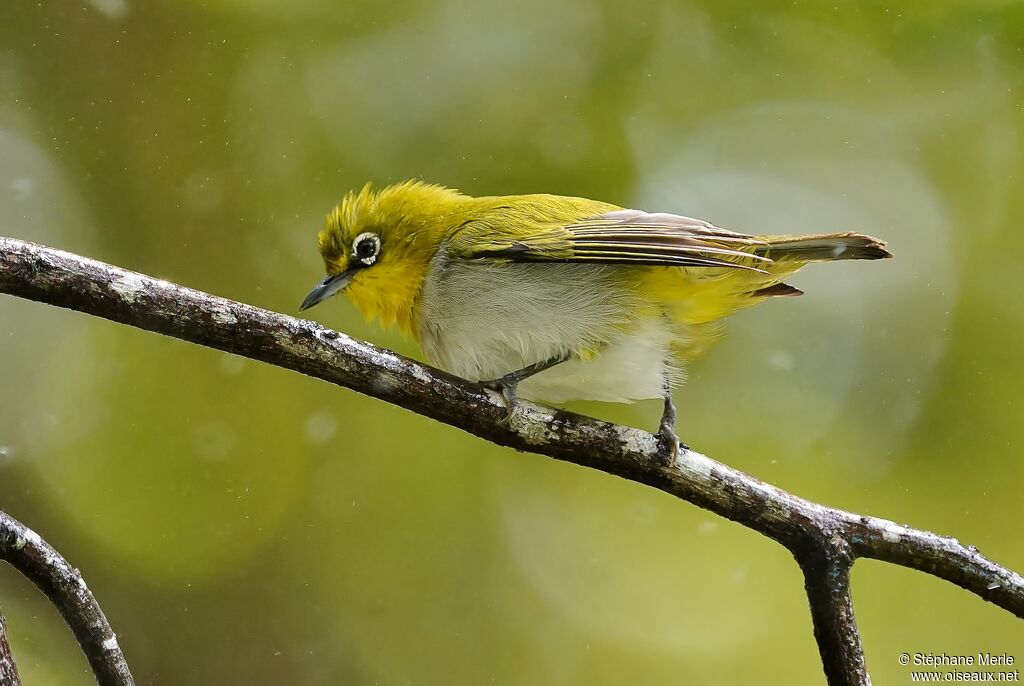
point(480, 320)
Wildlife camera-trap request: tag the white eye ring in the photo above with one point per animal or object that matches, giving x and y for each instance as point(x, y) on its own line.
point(372, 257)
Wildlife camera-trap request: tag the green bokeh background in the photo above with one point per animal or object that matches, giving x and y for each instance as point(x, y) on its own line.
point(245, 525)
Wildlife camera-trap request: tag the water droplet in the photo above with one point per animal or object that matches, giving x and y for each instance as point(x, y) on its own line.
point(231, 365)
point(216, 441)
point(320, 428)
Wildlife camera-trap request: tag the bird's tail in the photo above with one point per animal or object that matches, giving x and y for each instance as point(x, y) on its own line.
point(823, 247)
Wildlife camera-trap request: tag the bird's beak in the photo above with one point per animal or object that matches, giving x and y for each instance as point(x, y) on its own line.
point(326, 288)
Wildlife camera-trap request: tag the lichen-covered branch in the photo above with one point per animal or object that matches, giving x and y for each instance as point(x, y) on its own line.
point(66, 589)
point(826, 571)
point(809, 530)
point(8, 669)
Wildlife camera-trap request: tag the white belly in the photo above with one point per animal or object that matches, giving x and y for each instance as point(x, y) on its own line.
point(481, 320)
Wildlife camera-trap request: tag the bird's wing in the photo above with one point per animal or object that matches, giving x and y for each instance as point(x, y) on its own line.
point(628, 237)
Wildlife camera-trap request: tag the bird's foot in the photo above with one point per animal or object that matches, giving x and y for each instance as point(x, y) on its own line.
point(506, 385)
point(669, 445)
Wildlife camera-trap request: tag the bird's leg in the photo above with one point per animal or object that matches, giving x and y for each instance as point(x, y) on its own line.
point(507, 384)
point(667, 429)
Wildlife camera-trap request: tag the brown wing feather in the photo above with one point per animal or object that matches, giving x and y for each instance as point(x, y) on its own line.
point(670, 239)
point(627, 237)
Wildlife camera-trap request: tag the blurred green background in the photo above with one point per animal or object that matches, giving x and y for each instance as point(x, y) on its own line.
point(245, 525)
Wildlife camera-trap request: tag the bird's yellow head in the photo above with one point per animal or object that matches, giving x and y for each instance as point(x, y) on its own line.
point(377, 246)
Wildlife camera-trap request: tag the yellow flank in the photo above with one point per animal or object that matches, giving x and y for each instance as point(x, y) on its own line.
point(697, 299)
point(696, 295)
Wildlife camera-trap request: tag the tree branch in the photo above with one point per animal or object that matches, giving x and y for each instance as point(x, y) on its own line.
point(66, 589)
point(8, 670)
point(827, 581)
point(824, 540)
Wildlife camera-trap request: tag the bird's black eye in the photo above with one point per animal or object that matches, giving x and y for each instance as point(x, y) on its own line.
point(365, 248)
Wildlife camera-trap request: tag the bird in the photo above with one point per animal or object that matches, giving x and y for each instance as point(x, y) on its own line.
point(556, 298)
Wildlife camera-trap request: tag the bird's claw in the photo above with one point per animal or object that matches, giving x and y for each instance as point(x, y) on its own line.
point(507, 388)
point(670, 445)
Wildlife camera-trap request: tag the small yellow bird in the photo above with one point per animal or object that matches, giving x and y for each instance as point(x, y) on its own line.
point(609, 303)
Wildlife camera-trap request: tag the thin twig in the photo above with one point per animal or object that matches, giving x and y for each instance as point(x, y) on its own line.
point(66, 589)
point(8, 669)
point(807, 529)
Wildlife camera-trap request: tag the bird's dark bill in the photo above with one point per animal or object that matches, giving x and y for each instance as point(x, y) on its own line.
point(326, 288)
